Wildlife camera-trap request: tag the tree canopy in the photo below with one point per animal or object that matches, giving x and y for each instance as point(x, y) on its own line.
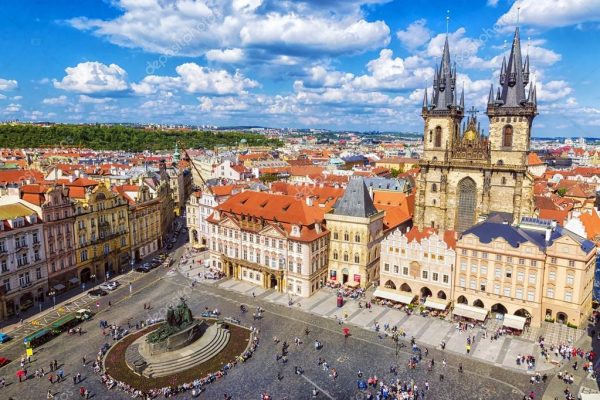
point(115, 137)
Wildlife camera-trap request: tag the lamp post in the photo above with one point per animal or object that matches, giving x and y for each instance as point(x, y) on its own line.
point(53, 294)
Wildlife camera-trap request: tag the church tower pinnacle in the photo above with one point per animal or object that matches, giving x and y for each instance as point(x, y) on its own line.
point(444, 111)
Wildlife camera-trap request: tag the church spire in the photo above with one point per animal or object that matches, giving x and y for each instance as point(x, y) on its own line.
point(462, 97)
point(425, 103)
point(444, 82)
point(514, 76)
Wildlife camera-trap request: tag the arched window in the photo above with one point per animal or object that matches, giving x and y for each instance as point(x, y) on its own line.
point(335, 235)
point(356, 258)
point(430, 136)
point(467, 203)
point(357, 238)
point(503, 180)
point(434, 188)
point(335, 255)
point(346, 236)
point(507, 136)
point(345, 256)
point(438, 136)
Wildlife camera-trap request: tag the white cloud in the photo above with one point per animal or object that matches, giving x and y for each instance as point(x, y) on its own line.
point(225, 56)
point(191, 28)
point(193, 78)
point(8, 84)
point(552, 90)
point(12, 108)
point(94, 100)
point(492, 3)
point(389, 73)
point(415, 35)
point(552, 13)
point(93, 77)
point(463, 49)
point(2, 97)
point(54, 101)
point(292, 33)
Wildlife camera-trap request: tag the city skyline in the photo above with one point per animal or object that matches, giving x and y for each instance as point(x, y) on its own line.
point(355, 65)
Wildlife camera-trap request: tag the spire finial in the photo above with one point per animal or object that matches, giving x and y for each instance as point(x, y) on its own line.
point(518, 15)
point(528, 44)
point(447, 21)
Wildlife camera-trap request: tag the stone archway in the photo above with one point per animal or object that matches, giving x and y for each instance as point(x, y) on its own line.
point(499, 309)
point(562, 318)
point(478, 303)
point(441, 295)
point(86, 275)
point(521, 312)
point(390, 285)
point(466, 193)
point(405, 288)
point(272, 281)
point(26, 301)
point(194, 236)
point(462, 300)
point(425, 292)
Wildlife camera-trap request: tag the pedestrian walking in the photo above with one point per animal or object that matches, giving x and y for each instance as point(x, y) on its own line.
point(49, 395)
point(83, 360)
point(78, 376)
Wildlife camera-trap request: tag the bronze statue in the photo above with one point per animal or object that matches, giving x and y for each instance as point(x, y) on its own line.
point(176, 320)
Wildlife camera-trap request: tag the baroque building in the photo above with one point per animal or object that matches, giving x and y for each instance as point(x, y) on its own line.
point(465, 175)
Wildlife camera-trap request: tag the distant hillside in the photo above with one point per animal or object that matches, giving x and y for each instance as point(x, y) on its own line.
point(120, 137)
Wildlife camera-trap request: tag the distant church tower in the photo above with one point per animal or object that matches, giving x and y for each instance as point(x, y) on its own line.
point(464, 174)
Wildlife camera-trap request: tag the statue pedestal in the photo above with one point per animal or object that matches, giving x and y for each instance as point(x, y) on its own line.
point(176, 341)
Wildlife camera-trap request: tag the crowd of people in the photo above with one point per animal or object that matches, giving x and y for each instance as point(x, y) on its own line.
point(195, 387)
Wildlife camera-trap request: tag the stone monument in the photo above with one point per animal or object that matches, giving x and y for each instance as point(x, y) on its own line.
point(179, 330)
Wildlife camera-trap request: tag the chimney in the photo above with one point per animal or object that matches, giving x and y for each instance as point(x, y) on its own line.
point(504, 222)
point(309, 201)
point(548, 234)
point(553, 224)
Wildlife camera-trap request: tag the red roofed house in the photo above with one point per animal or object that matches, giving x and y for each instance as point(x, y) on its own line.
point(535, 166)
point(417, 264)
point(270, 240)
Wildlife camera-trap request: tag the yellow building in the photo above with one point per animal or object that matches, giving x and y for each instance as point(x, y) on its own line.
point(356, 232)
point(101, 233)
point(145, 232)
point(529, 273)
point(400, 164)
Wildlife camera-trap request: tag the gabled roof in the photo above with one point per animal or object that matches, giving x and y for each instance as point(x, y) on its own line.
point(533, 159)
point(356, 201)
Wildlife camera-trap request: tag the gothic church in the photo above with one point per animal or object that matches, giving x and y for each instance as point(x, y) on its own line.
point(465, 175)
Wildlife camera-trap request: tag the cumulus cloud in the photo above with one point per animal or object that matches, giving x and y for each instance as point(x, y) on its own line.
point(93, 77)
point(226, 55)
point(415, 35)
point(550, 14)
point(192, 28)
point(8, 84)
point(54, 101)
point(193, 78)
point(552, 90)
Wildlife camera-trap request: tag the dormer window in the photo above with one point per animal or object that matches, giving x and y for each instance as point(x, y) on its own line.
point(295, 230)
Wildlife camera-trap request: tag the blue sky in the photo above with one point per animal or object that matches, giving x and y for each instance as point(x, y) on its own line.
point(339, 64)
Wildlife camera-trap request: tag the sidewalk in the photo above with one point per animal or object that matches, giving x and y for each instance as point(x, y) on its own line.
point(427, 331)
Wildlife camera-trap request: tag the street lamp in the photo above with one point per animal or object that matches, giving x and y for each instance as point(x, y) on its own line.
point(53, 294)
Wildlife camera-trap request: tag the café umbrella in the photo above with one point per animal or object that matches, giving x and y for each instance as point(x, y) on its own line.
point(21, 373)
point(346, 331)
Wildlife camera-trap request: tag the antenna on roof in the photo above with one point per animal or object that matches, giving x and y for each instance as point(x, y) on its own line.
point(447, 21)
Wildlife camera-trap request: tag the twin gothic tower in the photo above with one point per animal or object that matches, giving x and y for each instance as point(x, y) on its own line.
point(465, 175)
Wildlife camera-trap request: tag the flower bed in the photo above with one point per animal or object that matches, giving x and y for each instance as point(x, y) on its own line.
point(116, 366)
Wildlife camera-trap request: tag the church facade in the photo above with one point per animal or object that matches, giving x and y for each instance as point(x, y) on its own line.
point(464, 174)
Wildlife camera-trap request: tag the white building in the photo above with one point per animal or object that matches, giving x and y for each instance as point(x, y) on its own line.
point(418, 263)
point(23, 270)
point(273, 241)
point(199, 207)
